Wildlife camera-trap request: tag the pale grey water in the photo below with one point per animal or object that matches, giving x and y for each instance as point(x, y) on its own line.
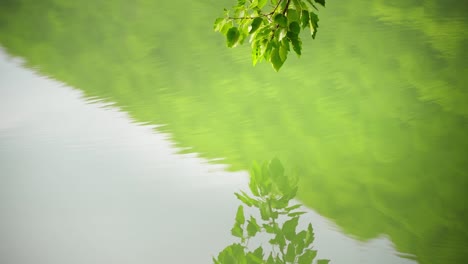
point(80, 182)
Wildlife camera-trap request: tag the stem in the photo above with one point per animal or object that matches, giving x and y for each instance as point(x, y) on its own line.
point(284, 12)
point(276, 7)
point(274, 224)
point(263, 15)
point(286, 7)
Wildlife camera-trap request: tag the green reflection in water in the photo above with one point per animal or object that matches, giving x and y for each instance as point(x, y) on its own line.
point(374, 114)
point(272, 191)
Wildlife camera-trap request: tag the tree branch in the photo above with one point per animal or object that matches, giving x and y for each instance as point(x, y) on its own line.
point(264, 15)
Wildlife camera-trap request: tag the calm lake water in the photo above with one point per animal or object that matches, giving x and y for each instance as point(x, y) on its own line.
point(125, 128)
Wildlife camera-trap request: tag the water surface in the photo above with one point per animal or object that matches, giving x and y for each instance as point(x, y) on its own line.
point(373, 117)
point(83, 183)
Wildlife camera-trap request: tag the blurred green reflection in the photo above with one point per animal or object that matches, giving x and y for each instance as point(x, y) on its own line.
point(374, 115)
point(272, 191)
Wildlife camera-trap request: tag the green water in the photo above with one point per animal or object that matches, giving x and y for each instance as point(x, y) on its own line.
point(373, 117)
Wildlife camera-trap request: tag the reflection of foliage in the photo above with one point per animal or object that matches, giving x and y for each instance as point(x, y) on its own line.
point(384, 100)
point(272, 191)
point(271, 33)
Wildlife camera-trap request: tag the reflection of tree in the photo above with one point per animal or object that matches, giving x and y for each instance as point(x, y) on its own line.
point(374, 128)
point(272, 192)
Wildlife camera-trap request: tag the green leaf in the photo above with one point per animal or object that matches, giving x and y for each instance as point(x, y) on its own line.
point(265, 179)
point(312, 4)
point(226, 255)
point(296, 214)
point(323, 261)
point(309, 236)
point(243, 197)
point(240, 2)
point(255, 257)
point(289, 228)
point(297, 46)
point(238, 253)
point(232, 36)
point(298, 5)
point(294, 27)
point(254, 3)
point(270, 259)
point(282, 33)
point(232, 254)
point(259, 48)
point(288, 196)
point(275, 59)
point(299, 241)
point(252, 227)
point(276, 168)
point(237, 231)
point(254, 172)
point(252, 259)
point(240, 219)
point(267, 56)
point(290, 208)
point(305, 19)
point(218, 24)
point(307, 257)
point(261, 3)
point(284, 49)
point(291, 194)
point(292, 15)
point(243, 31)
point(227, 25)
point(281, 20)
point(255, 24)
point(240, 12)
point(322, 2)
point(279, 203)
point(291, 35)
point(278, 240)
point(313, 24)
point(269, 228)
point(265, 212)
point(290, 253)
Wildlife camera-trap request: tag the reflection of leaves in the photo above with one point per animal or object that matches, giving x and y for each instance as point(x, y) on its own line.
point(247, 200)
point(231, 254)
point(274, 191)
point(290, 253)
point(252, 227)
point(237, 231)
point(307, 257)
point(256, 256)
point(276, 168)
point(289, 228)
point(240, 219)
point(309, 235)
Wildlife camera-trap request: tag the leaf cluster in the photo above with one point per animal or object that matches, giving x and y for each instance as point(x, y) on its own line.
point(271, 33)
point(272, 192)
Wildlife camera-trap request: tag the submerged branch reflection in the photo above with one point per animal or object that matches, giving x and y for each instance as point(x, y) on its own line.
point(272, 192)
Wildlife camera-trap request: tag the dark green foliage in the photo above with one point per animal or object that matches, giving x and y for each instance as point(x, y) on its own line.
point(270, 33)
point(272, 192)
point(232, 36)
